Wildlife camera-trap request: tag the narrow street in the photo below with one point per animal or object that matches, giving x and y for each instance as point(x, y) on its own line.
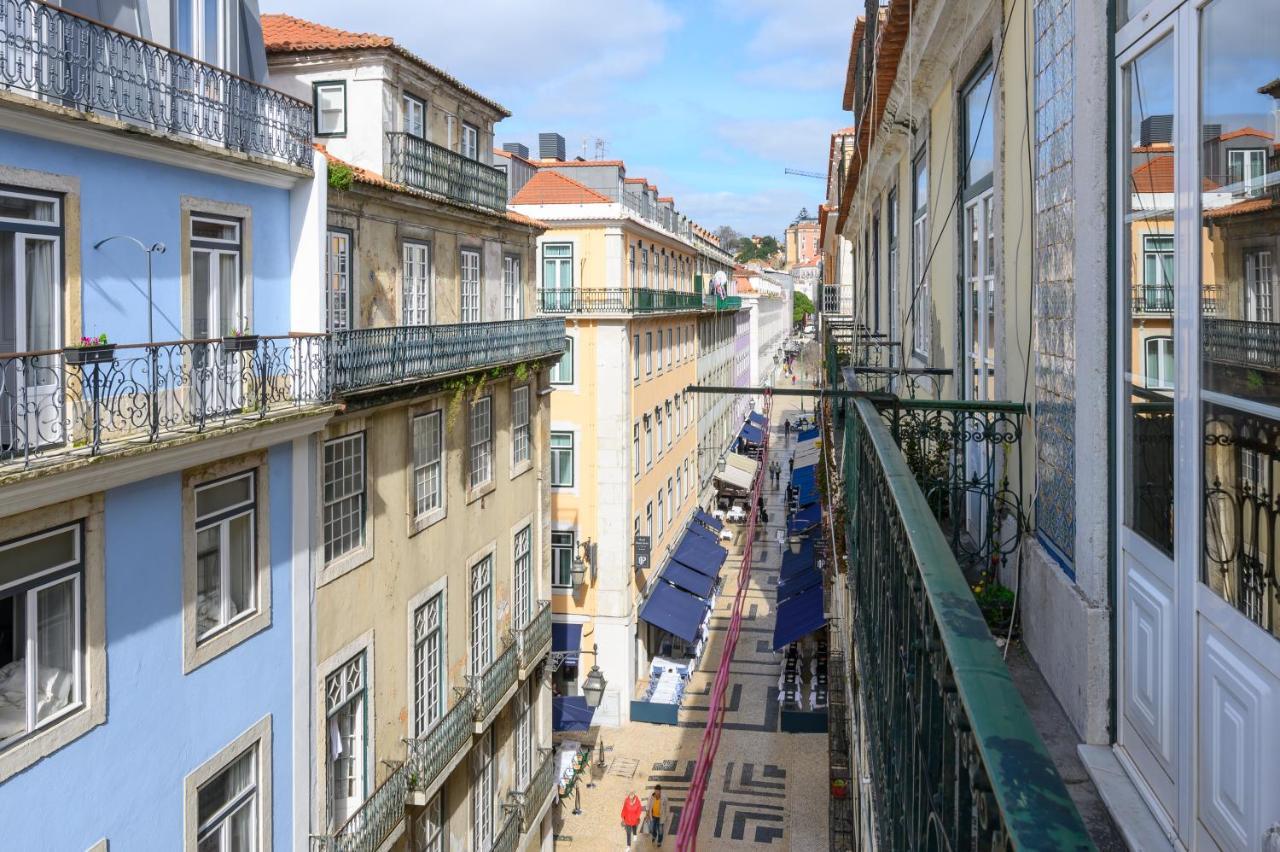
point(767, 788)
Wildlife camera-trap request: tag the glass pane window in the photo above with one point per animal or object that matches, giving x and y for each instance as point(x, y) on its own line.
point(430, 826)
point(416, 272)
point(481, 615)
point(562, 370)
point(227, 807)
point(1159, 363)
point(562, 459)
point(470, 142)
point(512, 298)
point(522, 563)
point(562, 546)
point(428, 665)
point(979, 118)
point(428, 463)
point(344, 495)
point(920, 307)
point(483, 793)
point(470, 286)
point(35, 209)
point(226, 553)
point(524, 735)
point(520, 444)
point(414, 117)
point(337, 291)
point(331, 108)
point(481, 443)
point(344, 709)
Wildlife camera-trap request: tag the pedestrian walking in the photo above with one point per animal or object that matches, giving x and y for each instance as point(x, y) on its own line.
point(764, 516)
point(657, 813)
point(760, 503)
point(632, 807)
point(786, 428)
point(791, 466)
point(781, 539)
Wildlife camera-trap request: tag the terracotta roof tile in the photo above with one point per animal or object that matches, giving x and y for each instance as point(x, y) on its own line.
point(1156, 176)
point(1245, 131)
point(634, 180)
point(287, 34)
point(859, 30)
point(1241, 208)
point(548, 187)
point(558, 163)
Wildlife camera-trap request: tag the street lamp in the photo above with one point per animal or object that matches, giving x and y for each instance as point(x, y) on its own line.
point(593, 686)
point(154, 248)
point(794, 542)
point(578, 572)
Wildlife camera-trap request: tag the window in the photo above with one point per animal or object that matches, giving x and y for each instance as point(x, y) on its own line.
point(635, 358)
point(668, 351)
point(430, 829)
point(979, 121)
point(330, 99)
point(522, 562)
point(661, 429)
point(680, 485)
point(42, 660)
point(671, 503)
point(218, 304)
point(920, 305)
point(344, 495)
point(632, 255)
point(428, 664)
point(671, 423)
point(526, 697)
point(512, 298)
point(557, 277)
point(470, 142)
point(345, 711)
point(428, 464)
point(416, 271)
point(1258, 286)
point(648, 441)
point(226, 550)
point(481, 442)
point(648, 520)
point(891, 234)
point(688, 410)
point(562, 547)
point(413, 118)
point(635, 448)
point(483, 794)
point(1157, 261)
point(648, 353)
point(337, 271)
point(1159, 362)
point(520, 447)
point(644, 265)
point(562, 370)
point(561, 459)
point(228, 811)
point(1247, 170)
point(661, 512)
point(481, 615)
point(469, 280)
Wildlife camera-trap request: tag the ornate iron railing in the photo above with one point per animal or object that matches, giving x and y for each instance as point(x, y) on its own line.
point(1152, 299)
point(425, 165)
point(534, 639)
point(535, 794)
point(56, 404)
point(488, 687)
point(955, 762)
point(616, 300)
point(508, 833)
point(71, 61)
point(383, 810)
point(1242, 342)
point(369, 357)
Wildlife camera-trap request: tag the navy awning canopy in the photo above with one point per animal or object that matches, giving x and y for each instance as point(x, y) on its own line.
point(707, 520)
point(796, 563)
point(688, 579)
point(675, 611)
point(566, 639)
point(804, 477)
point(701, 554)
point(701, 532)
point(797, 617)
point(798, 583)
point(808, 434)
point(751, 433)
point(805, 519)
point(757, 418)
point(570, 713)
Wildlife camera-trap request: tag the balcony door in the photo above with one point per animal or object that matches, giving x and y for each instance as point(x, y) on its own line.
point(218, 310)
point(1198, 602)
point(557, 277)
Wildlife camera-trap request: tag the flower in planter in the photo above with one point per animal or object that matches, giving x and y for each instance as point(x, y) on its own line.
point(100, 340)
point(239, 332)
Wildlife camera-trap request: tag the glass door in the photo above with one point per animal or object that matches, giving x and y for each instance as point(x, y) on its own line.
point(557, 277)
point(218, 311)
point(980, 350)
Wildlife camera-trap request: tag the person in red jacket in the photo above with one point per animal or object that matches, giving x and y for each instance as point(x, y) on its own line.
point(632, 808)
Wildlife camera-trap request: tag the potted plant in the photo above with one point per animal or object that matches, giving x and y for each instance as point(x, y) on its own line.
point(239, 340)
point(90, 350)
point(416, 796)
point(839, 788)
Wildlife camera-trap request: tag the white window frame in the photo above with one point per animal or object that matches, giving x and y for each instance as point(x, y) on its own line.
point(427, 473)
point(512, 295)
point(430, 660)
point(355, 443)
point(470, 273)
point(256, 742)
point(417, 307)
point(323, 89)
point(556, 461)
point(221, 521)
point(470, 141)
point(920, 296)
point(430, 825)
point(559, 546)
point(521, 437)
point(522, 577)
point(483, 793)
point(480, 443)
point(338, 278)
point(480, 586)
point(563, 371)
point(413, 116)
point(1247, 158)
point(347, 686)
point(1160, 346)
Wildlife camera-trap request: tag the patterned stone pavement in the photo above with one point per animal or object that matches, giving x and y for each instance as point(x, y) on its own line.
point(768, 790)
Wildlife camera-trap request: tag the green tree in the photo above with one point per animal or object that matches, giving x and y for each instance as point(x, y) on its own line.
point(801, 307)
point(748, 250)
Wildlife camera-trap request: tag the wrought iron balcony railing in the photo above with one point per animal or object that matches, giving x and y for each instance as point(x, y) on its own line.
point(63, 403)
point(616, 300)
point(954, 759)
point(424, 165)
point(534, 639)
point(371, 357)
point(1246, 343)
point(723, 303)
point(489, 687)
point(1152, 299)
point(508, 833)
point(428, 757)
point(535, 794)
point(71, 61)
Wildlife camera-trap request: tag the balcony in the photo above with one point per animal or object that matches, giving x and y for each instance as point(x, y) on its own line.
point(617, 300)
point(535, 795)
point(493, 687)
point(430, 760)
point(368, 358)
point(1243, 343)
point(725, 303)
point(507, 836)
point(65, 404)
point(63, 59)
point(534, 639)
point(1155, 299)
point(952, 755)
point(423, 165)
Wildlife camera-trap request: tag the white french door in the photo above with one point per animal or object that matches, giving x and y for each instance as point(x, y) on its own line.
point(31, 412)
point(218, 310)
point(1198, 603)
point(980, 344)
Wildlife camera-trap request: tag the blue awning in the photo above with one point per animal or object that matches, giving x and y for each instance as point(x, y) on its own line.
point(688, 579)
point(701, 554)
point(805, 477)
point(758, 419)
point(751, 433)
point(807, 434)
point(805, 519)
point(796, 563)
point(797, 583)
point(701, 532)
point(566, 639)
point(806, 495)
point(710, 521)
point(675, 611)
point(570, 713)
point(797, 617)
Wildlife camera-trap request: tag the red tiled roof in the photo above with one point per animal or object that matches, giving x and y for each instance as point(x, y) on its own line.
point(287, 34)
point(634, 180)
point(668, 198)
point(1156, 176)
point(859, 30)
point(558, 163)
point(1241, 208)
point(1245, 131)
point(548, 187)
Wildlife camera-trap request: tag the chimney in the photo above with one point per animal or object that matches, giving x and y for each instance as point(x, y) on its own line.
point(551, 146)
point(1156, 128)
point(517, 149)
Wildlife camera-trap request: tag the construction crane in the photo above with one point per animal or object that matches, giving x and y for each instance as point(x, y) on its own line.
point(803, 173)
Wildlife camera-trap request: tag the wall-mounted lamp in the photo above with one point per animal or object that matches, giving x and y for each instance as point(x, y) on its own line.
point(795, 542)
point(593, 686)
point(578, 573)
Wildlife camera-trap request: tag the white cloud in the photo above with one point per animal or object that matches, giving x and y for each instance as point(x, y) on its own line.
point(801, 143)
point(795, 27)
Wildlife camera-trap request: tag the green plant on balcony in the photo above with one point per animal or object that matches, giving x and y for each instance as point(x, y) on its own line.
point(341, 176)
point(995, 600)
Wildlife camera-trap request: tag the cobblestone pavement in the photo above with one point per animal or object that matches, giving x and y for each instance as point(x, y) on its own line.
point(767, 790)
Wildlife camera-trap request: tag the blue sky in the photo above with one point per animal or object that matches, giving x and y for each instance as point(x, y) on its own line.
point(709, 99)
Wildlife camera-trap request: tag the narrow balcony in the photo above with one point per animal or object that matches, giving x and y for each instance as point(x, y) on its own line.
point(429, 761)
point(507, 837)
point(724, 303)
point(59, 405)
point(953, 757)
point(616, 300)
point(534, 797)
point(369, 358)
point(70, 61)
point(1153, 299)
point(419, 164)
point(1241, 343)
point(493, 687)
point(534, 639)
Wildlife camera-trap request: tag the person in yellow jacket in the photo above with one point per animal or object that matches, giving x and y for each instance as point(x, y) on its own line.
point(657, 812)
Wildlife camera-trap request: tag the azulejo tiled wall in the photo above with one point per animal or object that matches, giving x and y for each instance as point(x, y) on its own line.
point(1054, 271)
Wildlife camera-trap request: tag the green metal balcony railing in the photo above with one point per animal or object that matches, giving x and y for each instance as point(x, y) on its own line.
point(534, 639)
point(424, 165)
point(1245, 343)
point(616, 300)
point(508, 833)
point(722, 303)
point(954, 759)
point(533, 796)
point(488, 687)
point(428, 756)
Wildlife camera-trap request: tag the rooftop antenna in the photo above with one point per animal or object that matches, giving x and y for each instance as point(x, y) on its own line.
point(601, 145)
